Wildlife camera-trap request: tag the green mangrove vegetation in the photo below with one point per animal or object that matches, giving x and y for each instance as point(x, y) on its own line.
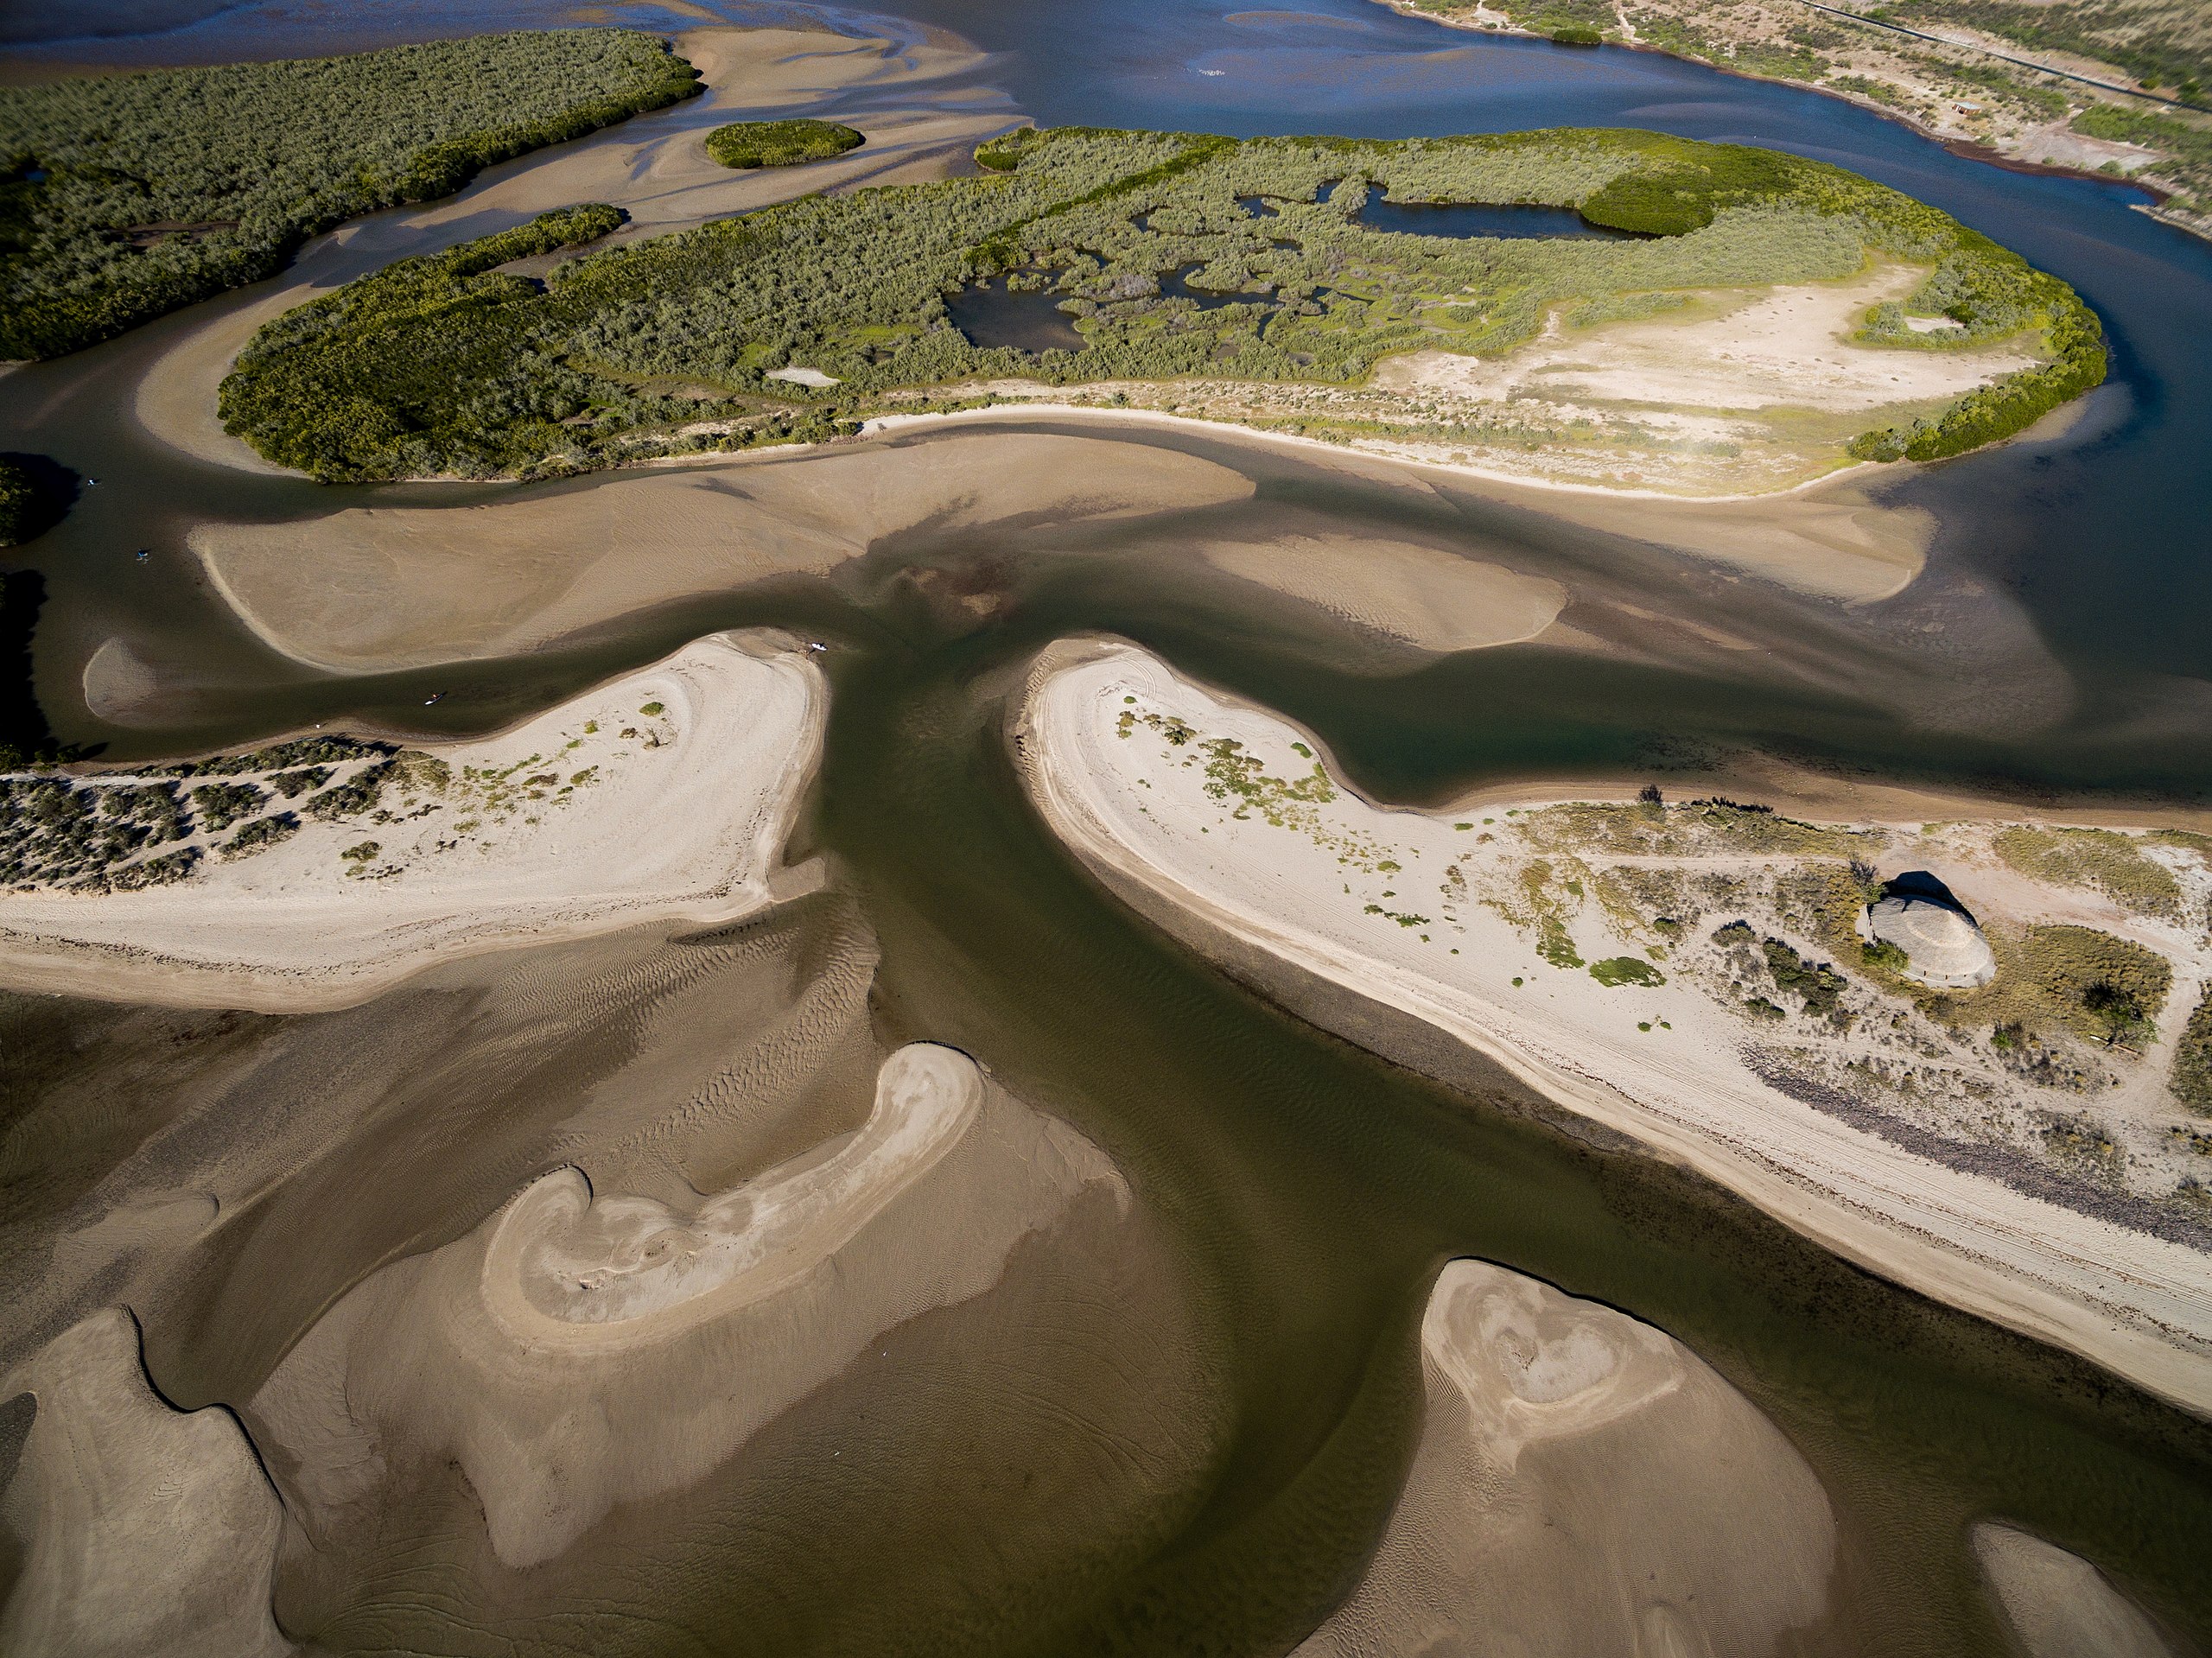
point(780, 143)
point(1176, 256)
point(125, 196)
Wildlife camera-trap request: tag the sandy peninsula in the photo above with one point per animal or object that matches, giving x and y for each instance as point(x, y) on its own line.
point(664, 796)
point(1546, 956)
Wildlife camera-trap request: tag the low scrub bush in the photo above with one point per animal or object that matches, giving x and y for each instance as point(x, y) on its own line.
point(780, 143)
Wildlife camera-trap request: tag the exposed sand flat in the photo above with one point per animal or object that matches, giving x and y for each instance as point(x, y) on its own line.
point(1584, 1484)
point(935, 107)
point(1419, 594)
point(579, 1352)
point(146, 1530)
point(1829, 538)
point(1151, 813)
point(378, 588)
point(1784, 347)
point(2058, 1604)
point(676, 814)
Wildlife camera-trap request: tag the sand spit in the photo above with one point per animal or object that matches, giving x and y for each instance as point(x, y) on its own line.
point(147, 1529)
point(1584, 1483)
point(2058, 1604)
point(377, 588)
point(580, 1352)
point(1407, 909)
point(666, 795)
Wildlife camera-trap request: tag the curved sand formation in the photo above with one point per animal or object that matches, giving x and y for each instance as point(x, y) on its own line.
point(683, 818)
point(147, 1529)
point(2139, 1304)
point(1584, 1483)
point(1419, 595)
point(371, 587)
point(2057, 1604)
point(577, 1353)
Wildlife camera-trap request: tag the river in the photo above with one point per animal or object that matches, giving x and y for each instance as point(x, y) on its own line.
point(1311, 1189)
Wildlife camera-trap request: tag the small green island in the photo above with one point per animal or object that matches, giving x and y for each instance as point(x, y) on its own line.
point(780, 143)
point(1721, 318)
point(123, 197)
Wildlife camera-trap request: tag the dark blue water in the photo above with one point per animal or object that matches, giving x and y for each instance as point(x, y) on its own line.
point(1464, 218)
point(994, 316)
point(2105, 541)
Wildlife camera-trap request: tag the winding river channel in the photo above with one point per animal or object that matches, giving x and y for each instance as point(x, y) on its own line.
point(2055, 647)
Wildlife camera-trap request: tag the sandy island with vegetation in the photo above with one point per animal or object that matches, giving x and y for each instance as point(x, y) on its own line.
point(1697, 976)
point(314, 872)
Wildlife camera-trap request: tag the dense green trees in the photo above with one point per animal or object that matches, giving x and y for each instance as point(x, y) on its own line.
point(780, 143)
point(124, 196)
point(441, 366)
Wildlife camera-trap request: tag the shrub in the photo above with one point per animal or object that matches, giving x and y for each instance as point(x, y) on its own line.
point(164, 187)
point(1626, 969)
point(2191, 1080)
point(780, 143)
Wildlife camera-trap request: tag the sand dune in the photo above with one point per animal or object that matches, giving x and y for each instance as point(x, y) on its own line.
point(147, 1529)
point(1584, 1484)
point(678, 815)
point(1279, 871)
point(2058, 1604)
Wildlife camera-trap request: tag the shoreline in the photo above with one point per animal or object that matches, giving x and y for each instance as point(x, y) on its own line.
point(2126, 1301)
point(1965, 148)
point(695, 836)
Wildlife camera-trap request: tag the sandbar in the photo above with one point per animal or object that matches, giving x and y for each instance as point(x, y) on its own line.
point(1649, 1055)
point(664, 796)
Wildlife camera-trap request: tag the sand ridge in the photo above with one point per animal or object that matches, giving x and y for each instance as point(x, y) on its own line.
point(1419, 595)
point(2139, 1304)
point(666, 795)
point(571, 1358)
point(1583, 1484)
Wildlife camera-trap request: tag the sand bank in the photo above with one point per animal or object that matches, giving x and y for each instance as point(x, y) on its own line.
point(1403, 908)
point(664, 796)
point(148, 1529)
point(1831, 538)
point(580, 1351)
point(1584, 1483)
point(374, 587)
point(1419, 595)
point(2058, 1604)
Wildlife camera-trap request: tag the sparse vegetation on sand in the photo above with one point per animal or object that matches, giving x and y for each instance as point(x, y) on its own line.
point(1175, 256)
point(780, 143)
point(125, 196)
point(2192, 1073)
point(2106, 860)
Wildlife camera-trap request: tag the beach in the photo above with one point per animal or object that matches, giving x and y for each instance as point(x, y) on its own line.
point(1650, 1058)
point(664, 796)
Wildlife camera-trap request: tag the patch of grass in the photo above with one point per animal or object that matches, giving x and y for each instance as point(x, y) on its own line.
point(2191, 1081)
point(2105, 860)
point(780, 143)
point(1626, 969)
point(2100, 987)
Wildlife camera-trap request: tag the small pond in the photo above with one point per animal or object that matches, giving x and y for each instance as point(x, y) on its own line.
point(1479, 219)
point(991, 317)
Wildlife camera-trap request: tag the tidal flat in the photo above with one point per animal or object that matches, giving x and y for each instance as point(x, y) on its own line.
point(957, 1248)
